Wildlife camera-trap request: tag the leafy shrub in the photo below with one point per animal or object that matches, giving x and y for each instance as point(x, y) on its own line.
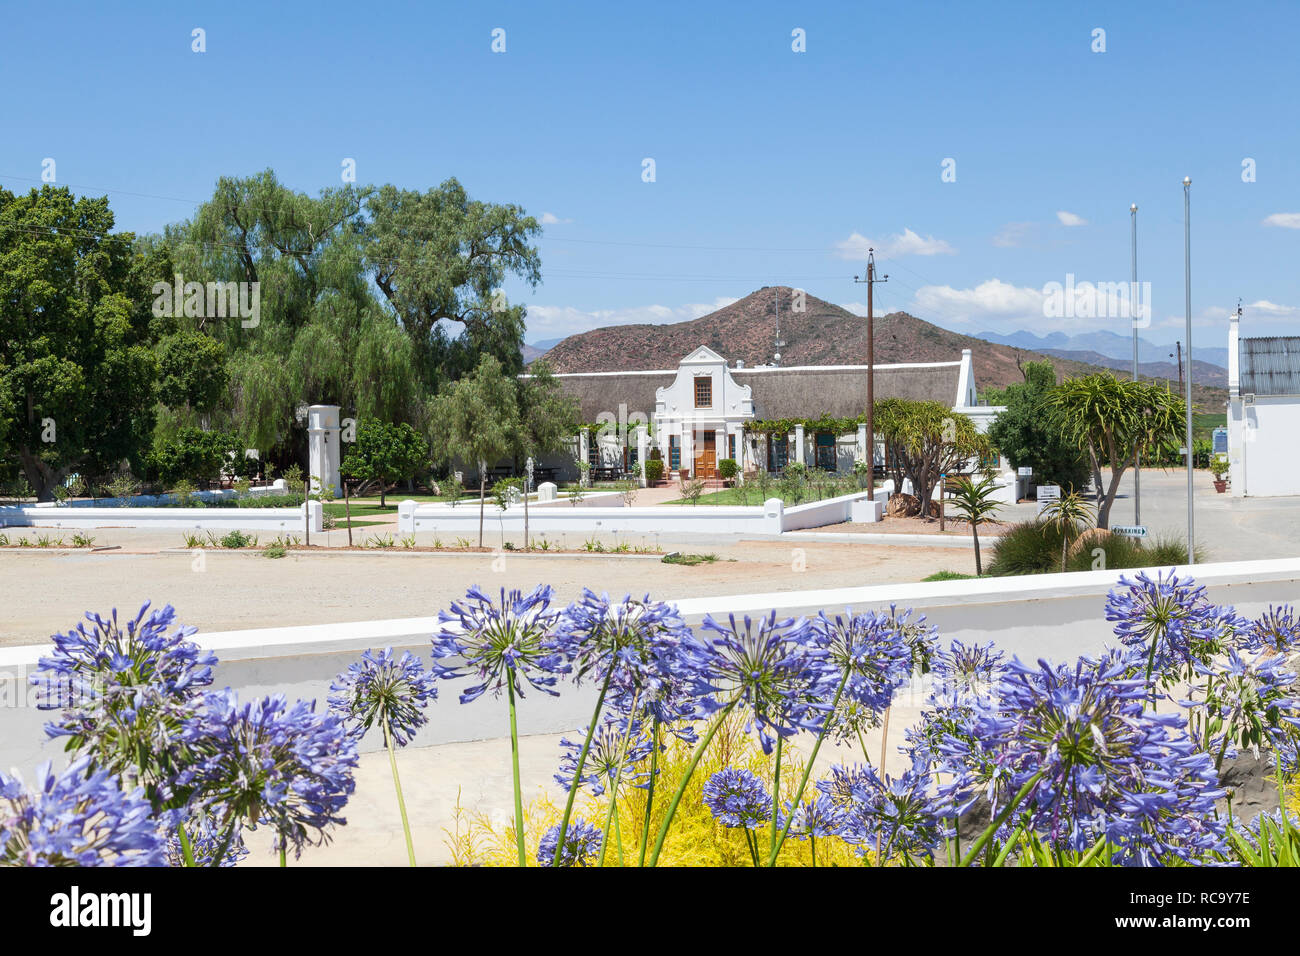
point(690, 560)
point(123, 487)
point(654, 470)
point(80, 540)
point(274, 551)
point(1033, 547)
point(238, 539)
point(1029, 547)
point(728, 469)
point(192, 455)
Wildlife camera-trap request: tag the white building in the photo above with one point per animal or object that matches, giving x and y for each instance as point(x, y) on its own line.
point(1263, 414)
point(699, 413)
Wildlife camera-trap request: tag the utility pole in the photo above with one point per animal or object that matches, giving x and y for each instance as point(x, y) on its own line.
point(871, 280)
point(1179, 347)
point(1132, 300)
point(1187, 288)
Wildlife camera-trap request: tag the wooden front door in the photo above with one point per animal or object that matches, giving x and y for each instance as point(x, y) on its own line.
point(706, 462)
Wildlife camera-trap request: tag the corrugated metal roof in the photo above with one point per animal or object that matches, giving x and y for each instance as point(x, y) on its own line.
point(1270, 365)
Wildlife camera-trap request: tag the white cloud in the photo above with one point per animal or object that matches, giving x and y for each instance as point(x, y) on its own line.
point(550, 219)
point(1070, 219)
point(907, 243)
point(992, 298)
point(549, 321)
point(857, 308)
point(1287, 220)
point(1271, 309)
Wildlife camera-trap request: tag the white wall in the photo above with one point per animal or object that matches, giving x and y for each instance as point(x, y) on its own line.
point(1264, 446)
point(1055, 616)
point(202, 519)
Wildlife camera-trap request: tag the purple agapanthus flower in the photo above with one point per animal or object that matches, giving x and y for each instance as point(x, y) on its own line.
point(640, 647)
point(381, 689)
point(1245, 701)
point(1091, 759)
point(867, 654)
point(898, 814)
point(206, 840)
point(1169, 621)
point(269, 762)
point(819, 817)
point(615, 733)
point(499, 639)
point(738, 799)
point(1276, 629)
point(775, 671)
point(919, 637)
point(79, 817)
point(124, 689)
point(581, 844)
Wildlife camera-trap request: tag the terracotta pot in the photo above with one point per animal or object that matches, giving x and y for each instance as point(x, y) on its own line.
point(1220, 485)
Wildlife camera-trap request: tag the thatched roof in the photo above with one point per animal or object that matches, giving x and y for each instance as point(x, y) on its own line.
point(599, 392)
point(841, 391)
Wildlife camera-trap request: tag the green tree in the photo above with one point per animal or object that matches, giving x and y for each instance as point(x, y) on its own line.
point(386, 453)
point(439, 258)
point(192, 455)
point(548, 417)
point(974, 502)
point(1067, 514)
point(1115, 420)
point(926, 440)
point(476, 420)
point(191, 371)
point(77, 368)
point(1030, 436)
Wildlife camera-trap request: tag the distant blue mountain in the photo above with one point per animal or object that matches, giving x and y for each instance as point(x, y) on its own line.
point(1109, 344)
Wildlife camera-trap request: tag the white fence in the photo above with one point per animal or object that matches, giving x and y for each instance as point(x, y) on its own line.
point(201, 519)
point(772, 517)
point(1053, 616)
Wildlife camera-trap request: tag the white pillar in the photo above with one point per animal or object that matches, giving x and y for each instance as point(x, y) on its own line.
point(688, 449)
point(719, 446)
point(323, 448)
point(584, 448)
point(742, 454)
point(642, 448)
point(798, 444)
point(862, 442)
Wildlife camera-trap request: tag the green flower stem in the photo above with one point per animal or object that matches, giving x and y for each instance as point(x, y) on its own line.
point(686, 778)
point(514, 767)
point(812, 842)
point(225, 843)
point(650, 793)
point(397, 783)
point(987, 835)
point(187, 849)
point(618, 839)
point(577, 773)
point(807, 772)
point(776, 799)
point(613, 788)
point(284, 855)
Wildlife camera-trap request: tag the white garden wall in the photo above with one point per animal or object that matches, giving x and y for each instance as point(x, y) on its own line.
point(1055, 616)
point(189, 519)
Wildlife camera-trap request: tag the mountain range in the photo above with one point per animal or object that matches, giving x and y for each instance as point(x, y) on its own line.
point(1109, 344)
point(822, 333)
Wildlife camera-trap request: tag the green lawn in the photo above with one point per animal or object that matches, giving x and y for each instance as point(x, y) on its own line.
point(948, 576)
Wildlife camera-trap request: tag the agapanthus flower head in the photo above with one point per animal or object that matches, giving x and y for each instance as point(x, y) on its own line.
point(270, 762)
point(1247, 701)
point(1277, 819)
point(738, 799)
point(1168, 620)
point(79, 817)
point(581, 844)
point(963, 671)
point(775, 669)
point(123, 689)
point(497, 640)
point(206, 840)
point(897, 813)
point(869, 655)
point(818, 817)
point(640, 647)
point(617, 735)
point(1276, 630)
point(386, 690)
point(1094, 760)
point(919, 637)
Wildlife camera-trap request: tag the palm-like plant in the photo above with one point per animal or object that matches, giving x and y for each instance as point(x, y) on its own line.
point(974, 502)
point(1066, 514)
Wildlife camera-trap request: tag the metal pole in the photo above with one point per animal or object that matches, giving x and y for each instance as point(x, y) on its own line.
point(1187, 286)
point(1132, 299)
point(871, 281)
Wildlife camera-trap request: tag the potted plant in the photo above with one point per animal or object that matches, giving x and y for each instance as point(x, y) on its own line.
point(1219, 466)
point(727, 470)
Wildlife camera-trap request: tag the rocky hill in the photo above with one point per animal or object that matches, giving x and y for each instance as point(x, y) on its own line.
point(821, 334)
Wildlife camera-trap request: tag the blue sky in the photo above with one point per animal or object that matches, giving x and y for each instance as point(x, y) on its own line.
point(771, 166)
